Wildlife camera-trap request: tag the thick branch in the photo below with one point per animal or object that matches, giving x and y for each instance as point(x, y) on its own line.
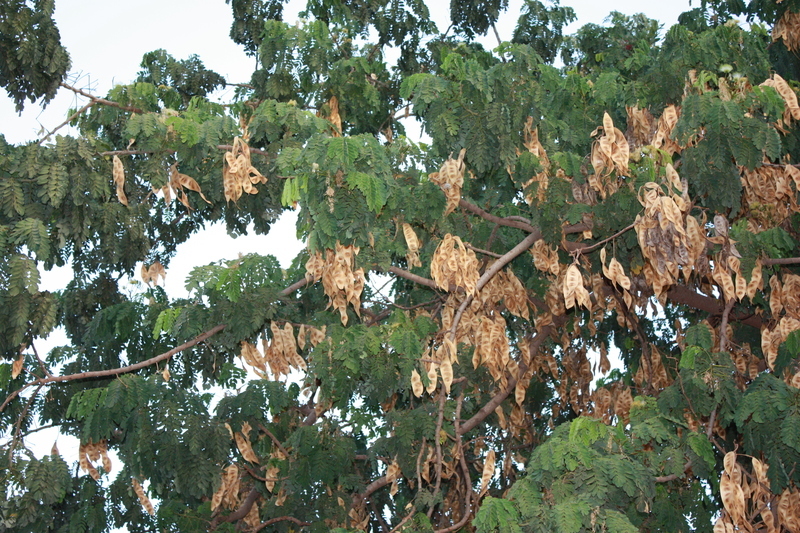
point(684, 295)
point(498, 265)
point(781, 261)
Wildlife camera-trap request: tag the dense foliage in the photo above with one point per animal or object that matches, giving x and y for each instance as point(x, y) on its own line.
point(440, 357)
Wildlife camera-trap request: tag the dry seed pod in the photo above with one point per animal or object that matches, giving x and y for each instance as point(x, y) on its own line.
point(16, 368)
point(488, 472)
point(416, 383)
point(119, 180)
point(243, 443)
point(143, 499)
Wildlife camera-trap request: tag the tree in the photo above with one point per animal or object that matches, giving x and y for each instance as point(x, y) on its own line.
point(439, 359)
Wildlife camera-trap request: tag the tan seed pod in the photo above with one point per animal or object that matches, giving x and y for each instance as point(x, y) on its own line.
point(446, 369)
point(488, 472)
point(143, 499)
point(16, 367)
point(119, 180)
point(243, 443)
point(732, 498)
point(416, 383)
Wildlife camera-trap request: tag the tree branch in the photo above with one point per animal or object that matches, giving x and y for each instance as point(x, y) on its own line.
point(72, 117)
point(781, 261)
point(103, 101)
point(117, 371)
point(169, 151)
point(498, 265)
point(498, 398)
point(514, 222)
point(438, 442)
point(684, 295)
point(277, 519)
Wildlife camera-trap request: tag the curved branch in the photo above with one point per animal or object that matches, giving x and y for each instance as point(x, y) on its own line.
point(514, 222)
point(239, 513)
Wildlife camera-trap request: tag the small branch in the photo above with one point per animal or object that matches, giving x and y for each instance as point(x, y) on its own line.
point(482, 251)
point(294, 286)
point(103, 101)
point(18, 425)
point(241, 512)
point(372, 487)
point(438, 442)
point(514, 222)
point(117, 371)
point(492, 404)
point(585, 249)
point(277, 519)
point(274, 440)
point(496, 35)
point(413, 277)
point(672, 477)
point(41, 363)
point(711, 420)
point(225, 147)
point(498, 398)
point(405, 519)
point(723, 325)
point(72, 117)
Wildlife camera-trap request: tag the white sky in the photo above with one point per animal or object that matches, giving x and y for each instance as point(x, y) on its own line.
point(106, 40)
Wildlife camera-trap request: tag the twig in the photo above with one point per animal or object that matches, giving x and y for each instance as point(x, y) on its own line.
point(18, 425)
point(103, 101)
point(41, 363)
point(438, 442)
point(585, 249)
point(481, 251)
point(72, 117)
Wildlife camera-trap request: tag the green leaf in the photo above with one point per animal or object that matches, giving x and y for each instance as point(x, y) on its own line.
point(699, 335)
